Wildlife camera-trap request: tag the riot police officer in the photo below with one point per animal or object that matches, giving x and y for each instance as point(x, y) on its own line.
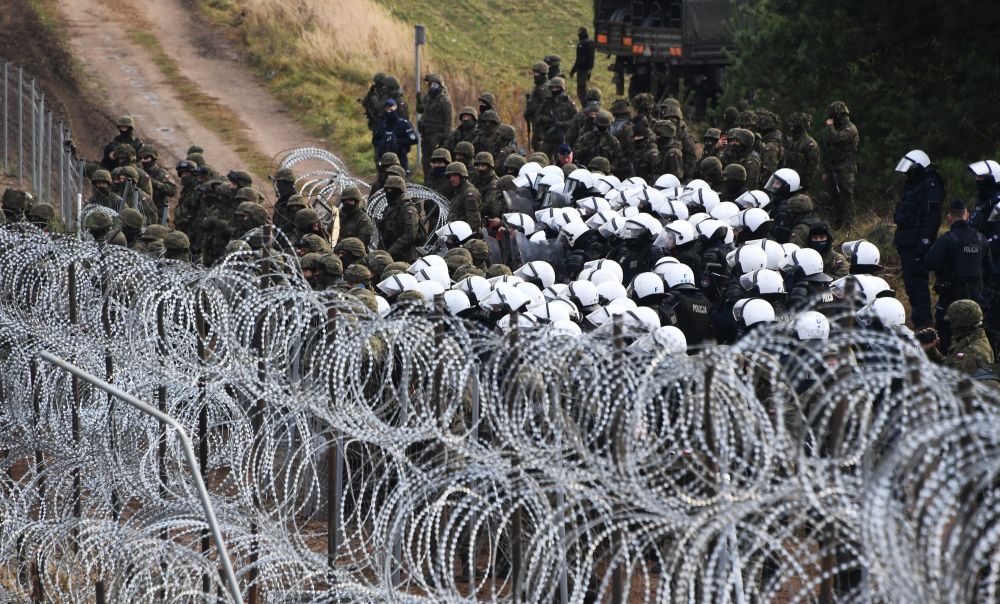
point(918, 217)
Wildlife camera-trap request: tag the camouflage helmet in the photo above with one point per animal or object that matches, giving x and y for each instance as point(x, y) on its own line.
point(735, 173)
point(351, 192)
point(744, 137)
point(100, 176)
point(837, 108)
point(593, 95)
point(245, 194)
point(620, 107)
point(712, 165)
point(297, 201)
point(311, 262)
point(600, 164)
point(730, 115)
point(433, 78)
point(41, 212)
point(591, 109)
point(489, 98)
point(195, 149)
point(441, 154)
point(16, 199)
point(396, 170)
point(713, 133)
point(196, 158)
point(468, 110)
point(125, 121)
point(332, 264)
point(391, 82)
point(128, 172)
point(483, 157)
point(284, 175)
point(490, 116)
point(398, 265)
point(208, 171)
point(468, 271)
point(186, 166)
point(457, 167)
point(154, 231)
point(800, 204)
point(552, 59)
point(557, 82)
point(540, 68)
point(465, 148)
point(379, 78)
point(767, 121)
point(132, 218)
point(671, 108)
point(377, 260)
point(963, 313)
point(97, 221)
point(514, 162)
point(456, 258)
point(569, 169)
point(539, 158)
point(498, 270)
point(357, 273)
point(604, 118)
point(305, 219)
point(315, 243)
point(237, 245)
point(149, 150)
point(366, 297)
point(176, 240)
point(506, 132)
point(394, 182)
point(479, 251)
point(124, 150)
point(747, 119)
point(245, 208)
point(411, 295)
point(155, 248)
point(664, 129)
point(352, 246)
point(800, 119)
point(388, 159)
point(643, 102)
point(241, 178)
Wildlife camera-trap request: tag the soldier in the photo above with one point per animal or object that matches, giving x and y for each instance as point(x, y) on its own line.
point(284, 186)
point(41, 215)
point(821, 240)
point(394, 134)
point(729, 117)
point(534, 102)
point(385, 162)
point(160, 180)
point(734, 182)
point(465, 204)
point(98, 224)
point(801, 149)
point(645, 161)
point(709, 142)
point(643, 105)
point(621, 127)
point(373, 100)
point(394, 92)
point(506, 143)
point(584, 63)
point(512, 165)
point(465, 152)
point(485, 180)
point(710, 170)
point(435, 111)
point(670, 110)
point(773, 156)
point(435, 178)
point(125, 182)
point(671, 152)
point(102, 195)
point(176, 246)
point(970, 350)
point(918, 218)
point(479, 252)
point(186, 210)
point(126, 135)
point(486, 139)
point(739, 150)
point(132, 222)
point(350, 250)
point(599, 142)
point(354, 219)
point(399, 223)
point(841, 145)
point(466, 131)
point(217, 220)
point(125, 155)
point(960, 258)
point(555, 66)
point(556, 115)
point(795, 221)
point(487, 102)
point(249, 214)
point(583, 123)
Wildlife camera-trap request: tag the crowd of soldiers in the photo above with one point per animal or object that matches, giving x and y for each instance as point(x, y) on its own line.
point(609, 212)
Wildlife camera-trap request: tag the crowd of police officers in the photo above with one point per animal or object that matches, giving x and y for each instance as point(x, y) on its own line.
point(608, 213)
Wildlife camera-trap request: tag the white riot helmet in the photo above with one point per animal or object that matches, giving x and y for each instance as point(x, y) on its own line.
point(521, 222)
point(428, 261)
point(435, 273)
point(790, 247)
point(507, 298)
point(642, 317)
point(579, 179)
point(605, 313)
point(550, 178)
point(807, 261)
point(887, 311)
point(724, 211)
point(647, 285)
point(668, 339)
point(677, 276)
point(430, 288)
point(458, 229)
point(708, 229)
point(753, 199)
point(751, 311)
point(698, 183)
point(746, 258)
point(867, 287)
point(532, 291)
point(812, 325)
point(676, 234)
point(763, 282)
point(752, 220)
point(706, 198)
point(555, 310)
point(661, 265)
point(584, 294)
point(383, 306)
point(609, 291)
point(528, 175)
point(913, 158)
point(987, 168)
point(539, 271)
point(518, 320)
point(672, 209)
point(475, 287)
point(785, 175)
point(397, 284)
point(617, 198)
point(667, 181)
point(775, 252)
point(571, 231)
point(612, 227)
point(556, 291)
point(699, 217)
point(593, 205)
point(601, 218)
point(640, 226)
point(864, 256)
point(634, 182)
point(566, 328)
point(598, 276)
point(605, 183)
point(606, 264)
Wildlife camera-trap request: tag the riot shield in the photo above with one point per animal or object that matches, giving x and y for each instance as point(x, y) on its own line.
point(551, 251)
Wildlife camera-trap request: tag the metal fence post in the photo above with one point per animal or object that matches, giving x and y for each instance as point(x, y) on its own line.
point(48, 156)
point(6, 118)
point(20, 125)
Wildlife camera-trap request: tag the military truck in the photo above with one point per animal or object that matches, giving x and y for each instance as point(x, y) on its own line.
point(661, 43)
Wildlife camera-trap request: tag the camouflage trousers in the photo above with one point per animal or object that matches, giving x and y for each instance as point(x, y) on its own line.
point(840, 183)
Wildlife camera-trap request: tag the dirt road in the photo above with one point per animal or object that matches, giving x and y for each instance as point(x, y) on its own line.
point(133, 84)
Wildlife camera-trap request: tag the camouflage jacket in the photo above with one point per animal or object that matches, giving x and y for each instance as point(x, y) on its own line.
point(646, 161)
point(108, 200)
point(802, 155)
point(773, 156)
point(486, 140)
point(555, 117)
point(465, 205)
point(487, 187)
point(835, 264)
point(672, 159)
point(398, 230)
point(841, 145)
point(460, 134)
point(534, 105)
point(598, 143)
point(435, 116)
point(968, 353)
point(357, 224)
point(751, 163)
point(162, 184)
point(689, 148)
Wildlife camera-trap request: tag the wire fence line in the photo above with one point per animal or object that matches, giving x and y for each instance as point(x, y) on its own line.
point(37, 151)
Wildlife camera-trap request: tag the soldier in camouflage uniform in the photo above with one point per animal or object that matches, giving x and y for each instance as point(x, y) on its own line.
point(249, 214)
point(773, 156)
point(512, 165)
point(132, 222)
point(176, 246)
point(485, 180)
point(435, 111)
point(740, 151)
point(556, 115)
point(41, 214)
point(312, 237)
point(466, 131)
point(555, 65)
point(583, 123)
point(748, 121)
point(354, 218)
point(506, 143)
point(125, 182)
point(435, 178)
point(126, 135)
point(372, 101)
point(284, 184)
point(217, 219)
point(734, 182)
point(125, 156)
point(399, 225)
point(186, 210)
point(821, 240)
point(645, 161)
point(600, 143)
point(464, 153)
point(487, 101)
point(102, 195)
point(350, 250)
point(388, 160)
point(841, 144)
point(970, 348)
point(621, 127)
point(671, 149)
point(487, 136)
point(670, 110)
point(535, 102)
point(710, 170)
point(801, 150)
point(394, 92)
point(729, 117)
point(466, 202)
point(643, 105)
point(161, 181)
point(709, 142)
